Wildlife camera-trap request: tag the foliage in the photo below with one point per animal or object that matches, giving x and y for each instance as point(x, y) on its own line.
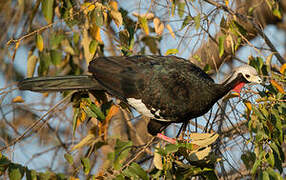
point(267, 125)
point(62, 37)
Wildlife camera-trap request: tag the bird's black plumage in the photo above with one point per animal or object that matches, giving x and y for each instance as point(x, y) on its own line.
point(171, 88)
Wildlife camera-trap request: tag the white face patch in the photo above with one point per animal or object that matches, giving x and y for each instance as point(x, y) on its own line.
point(141, 108)
point(248, 72)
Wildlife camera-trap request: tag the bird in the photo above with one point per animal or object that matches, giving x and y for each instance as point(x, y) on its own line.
point(166, 89)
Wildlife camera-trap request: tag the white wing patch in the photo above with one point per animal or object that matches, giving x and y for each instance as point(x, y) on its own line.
point(141, 108)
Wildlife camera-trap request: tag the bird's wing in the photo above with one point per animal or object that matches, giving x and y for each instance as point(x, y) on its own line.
point(153, 80)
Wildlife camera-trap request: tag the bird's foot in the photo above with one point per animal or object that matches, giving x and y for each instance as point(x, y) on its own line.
point(166, 138)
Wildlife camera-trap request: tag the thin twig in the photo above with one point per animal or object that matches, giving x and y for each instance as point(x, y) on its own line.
point(259, 31)
point(36, 123)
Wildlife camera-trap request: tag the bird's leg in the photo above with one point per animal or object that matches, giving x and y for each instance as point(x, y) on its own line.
point(166, 138)
point(182, 129)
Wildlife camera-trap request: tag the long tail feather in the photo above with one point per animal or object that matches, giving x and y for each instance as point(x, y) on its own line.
point(59, 83)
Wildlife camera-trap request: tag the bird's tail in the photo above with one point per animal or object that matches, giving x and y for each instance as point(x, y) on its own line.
point(59, 83)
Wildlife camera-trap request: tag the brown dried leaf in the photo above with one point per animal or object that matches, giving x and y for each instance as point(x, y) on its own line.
point(31, 64)
point(171, 30)
point(283, 68)
point(113, 5)
point(159, 26)
point(18, 99)
point(117, 17)
point(277, 86)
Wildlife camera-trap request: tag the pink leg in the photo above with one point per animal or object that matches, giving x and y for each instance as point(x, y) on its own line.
point(166, 138)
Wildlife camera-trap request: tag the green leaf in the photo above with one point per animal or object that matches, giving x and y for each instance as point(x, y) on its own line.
point(45, 60)
point(144, 24)
point(248, 159)
point(278, 162)
point(237, 44)
point(181, 8)
point(122, 149)
point(119, 177)
point(86, 165)
point(186, 21)
point(171, 148)
point(48, 10)
point(240, 28)
point(76, 37)
point(277, 13)
point(99, 114)
point(265, 176)
point(98, 17)
point(68, 158)
point(56, 57)
point(55, 40)
point(207, 68)
point(31, 174)
point(93, 46)
point(275, 175)
point(136, 169)
point(74, 122)
point(89, 112)
point(257, 163)
point(197, 57)
point(221, 40)
point(15, 172)
point(271, 159)
point(197, 20)
point(171, 51)
point(44, 176)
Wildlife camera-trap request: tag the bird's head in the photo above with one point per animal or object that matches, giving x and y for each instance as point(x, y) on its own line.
point(240, 76)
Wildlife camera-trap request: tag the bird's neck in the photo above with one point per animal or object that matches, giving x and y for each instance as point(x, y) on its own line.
point(235, 82)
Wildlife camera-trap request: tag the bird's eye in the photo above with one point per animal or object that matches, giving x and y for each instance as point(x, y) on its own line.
point(247, 76)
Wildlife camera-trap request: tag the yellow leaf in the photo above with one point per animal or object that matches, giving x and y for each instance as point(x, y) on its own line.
point(97, 35)
point(117, 17)
point(277, 86)
point(113, 5)
point(157, 160)
point(39, 42)
point(148, 16)
point(18, 99)
point(226, 2)
point(87, 140)
point(170, 30)
point(203, 139)
point(31, 64)
point(73, 178)
point(200, 154)
point(283, 68)
point(87, 7)
point(144, 25)
point(159, 26)
point(248, 105)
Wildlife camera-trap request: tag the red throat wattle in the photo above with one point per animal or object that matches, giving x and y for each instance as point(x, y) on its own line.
point(238, 87)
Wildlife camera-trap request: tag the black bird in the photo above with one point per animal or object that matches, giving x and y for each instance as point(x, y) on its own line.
point(167, 89)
